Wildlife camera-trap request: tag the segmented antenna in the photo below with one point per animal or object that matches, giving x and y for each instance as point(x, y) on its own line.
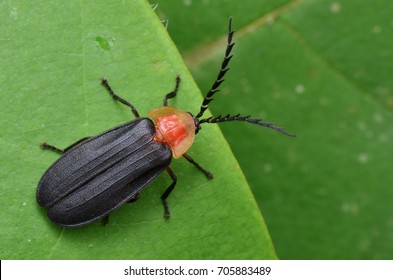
point(221, 74)
point(237, 117)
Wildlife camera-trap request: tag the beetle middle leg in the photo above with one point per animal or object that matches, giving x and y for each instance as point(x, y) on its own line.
point(173, 92)
point(190, 160)
point(168, 191)
point(62, 151)
point(105, 83)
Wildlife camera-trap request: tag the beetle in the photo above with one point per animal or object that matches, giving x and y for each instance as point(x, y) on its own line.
point(98, 174)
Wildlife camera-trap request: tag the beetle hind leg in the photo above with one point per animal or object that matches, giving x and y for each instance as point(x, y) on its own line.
point(134, 198)
point(52, 148)
point(105, 220)
point(62, 151)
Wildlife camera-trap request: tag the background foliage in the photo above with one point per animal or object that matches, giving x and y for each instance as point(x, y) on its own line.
point(322, 69)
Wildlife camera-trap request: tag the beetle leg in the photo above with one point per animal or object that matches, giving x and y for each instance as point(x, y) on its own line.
point(207, 173)
point(60, 151)
point(134, 198)
point(173, 92)
point(105, 83)
point(105, 220)
point(168, 191)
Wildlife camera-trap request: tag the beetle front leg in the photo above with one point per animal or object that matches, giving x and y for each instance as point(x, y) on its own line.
point(62, 151)
point(105, 83)
point(173, 92)
point(168, 191)
point(190, 160)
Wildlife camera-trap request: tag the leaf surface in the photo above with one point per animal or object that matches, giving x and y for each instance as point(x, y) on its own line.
point(53, 55)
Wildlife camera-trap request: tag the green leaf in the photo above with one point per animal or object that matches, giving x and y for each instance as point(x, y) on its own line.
point(53, 55)
point(321, 69)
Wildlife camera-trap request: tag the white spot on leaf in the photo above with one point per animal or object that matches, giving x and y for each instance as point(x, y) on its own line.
point(378, 118)
point(267, 168)
point(335, 7)
point(350, 208)
point(14, 13)
point(377, 29)
point(363, 158)
point(299, 88)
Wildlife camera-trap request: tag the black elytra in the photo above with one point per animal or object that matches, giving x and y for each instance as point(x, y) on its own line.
point(98, 174)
